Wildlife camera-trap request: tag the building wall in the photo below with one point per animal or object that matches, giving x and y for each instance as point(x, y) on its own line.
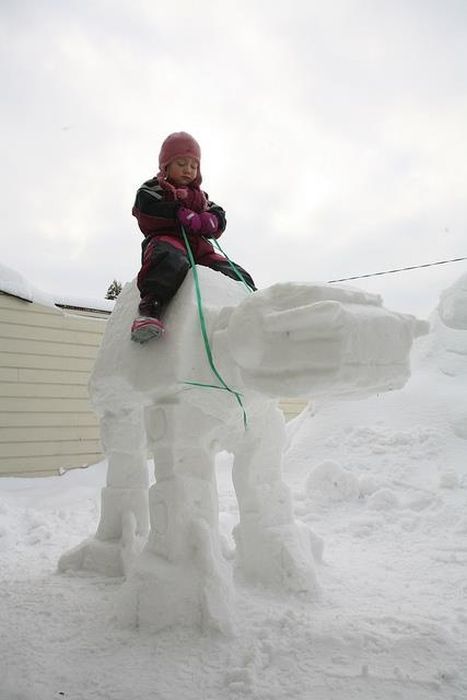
point(292, 407)
point(46, 356)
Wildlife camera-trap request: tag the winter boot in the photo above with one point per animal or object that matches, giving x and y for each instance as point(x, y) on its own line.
point(147, 324)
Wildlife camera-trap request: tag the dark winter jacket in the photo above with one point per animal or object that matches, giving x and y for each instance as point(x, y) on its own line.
point(156, 212)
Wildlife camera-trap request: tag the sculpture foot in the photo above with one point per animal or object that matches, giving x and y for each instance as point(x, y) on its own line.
point(94, 555)
point(279, 557)
point(106, 557)
point(160, 594)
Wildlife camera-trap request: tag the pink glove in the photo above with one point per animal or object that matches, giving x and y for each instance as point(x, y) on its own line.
point(209, 224)
point(205, 224)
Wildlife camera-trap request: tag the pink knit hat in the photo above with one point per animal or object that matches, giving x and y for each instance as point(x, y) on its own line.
point(177, 145)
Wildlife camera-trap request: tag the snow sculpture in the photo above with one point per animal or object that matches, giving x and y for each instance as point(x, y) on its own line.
point(287, 340)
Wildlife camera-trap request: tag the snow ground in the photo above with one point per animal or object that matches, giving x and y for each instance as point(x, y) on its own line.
point(391, 619)
point(383, 481)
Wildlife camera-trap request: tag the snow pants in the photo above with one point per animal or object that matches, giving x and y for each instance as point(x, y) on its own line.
point(165, 264)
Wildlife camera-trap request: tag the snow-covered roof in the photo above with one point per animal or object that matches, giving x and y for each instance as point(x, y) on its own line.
point(14, 284)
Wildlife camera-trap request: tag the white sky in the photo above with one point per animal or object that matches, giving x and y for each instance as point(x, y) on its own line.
point(334, 134)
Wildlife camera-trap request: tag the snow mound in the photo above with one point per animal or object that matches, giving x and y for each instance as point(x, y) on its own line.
point(450, 329)
point(452, 307)
point(328, 479)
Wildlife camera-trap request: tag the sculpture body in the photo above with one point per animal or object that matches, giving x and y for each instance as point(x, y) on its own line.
point(288, 340)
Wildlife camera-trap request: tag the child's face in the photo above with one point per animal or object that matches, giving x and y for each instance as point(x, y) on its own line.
point(182, 171)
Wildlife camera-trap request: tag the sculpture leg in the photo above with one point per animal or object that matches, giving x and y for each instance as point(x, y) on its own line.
point(124, 522)
point(181, 577)
point(271, 547)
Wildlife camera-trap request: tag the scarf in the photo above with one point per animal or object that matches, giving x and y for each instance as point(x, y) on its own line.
point(191, 197)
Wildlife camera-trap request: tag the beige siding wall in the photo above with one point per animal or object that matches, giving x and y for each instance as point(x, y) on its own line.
point(46, 356)
point(292, 407)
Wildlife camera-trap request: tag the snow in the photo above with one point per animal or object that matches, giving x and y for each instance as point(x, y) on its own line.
point(381, 482)
point(12, 282)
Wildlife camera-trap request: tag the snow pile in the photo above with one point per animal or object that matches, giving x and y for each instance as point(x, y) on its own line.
point(450, 325)
point(452, 307)
point(331, 482)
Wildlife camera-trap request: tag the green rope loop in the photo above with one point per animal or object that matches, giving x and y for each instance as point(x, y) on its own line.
point(204, 333)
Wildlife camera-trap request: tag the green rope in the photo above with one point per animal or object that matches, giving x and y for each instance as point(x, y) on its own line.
point(204, 333)
point(211, 386)
point(233, 266)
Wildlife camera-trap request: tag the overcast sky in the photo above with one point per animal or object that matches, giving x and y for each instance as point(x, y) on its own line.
point(334, 135)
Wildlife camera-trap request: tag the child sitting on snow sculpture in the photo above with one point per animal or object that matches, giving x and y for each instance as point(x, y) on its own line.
point(164, 205)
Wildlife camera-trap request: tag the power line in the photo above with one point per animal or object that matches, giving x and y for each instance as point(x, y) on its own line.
point(399, 269)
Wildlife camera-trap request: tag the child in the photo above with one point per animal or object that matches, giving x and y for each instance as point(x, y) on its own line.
point(163, 205)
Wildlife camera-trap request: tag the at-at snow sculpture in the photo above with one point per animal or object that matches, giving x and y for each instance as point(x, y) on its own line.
point(287, 340)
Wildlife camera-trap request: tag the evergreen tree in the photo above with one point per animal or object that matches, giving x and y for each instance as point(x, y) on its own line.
point(114, 290)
